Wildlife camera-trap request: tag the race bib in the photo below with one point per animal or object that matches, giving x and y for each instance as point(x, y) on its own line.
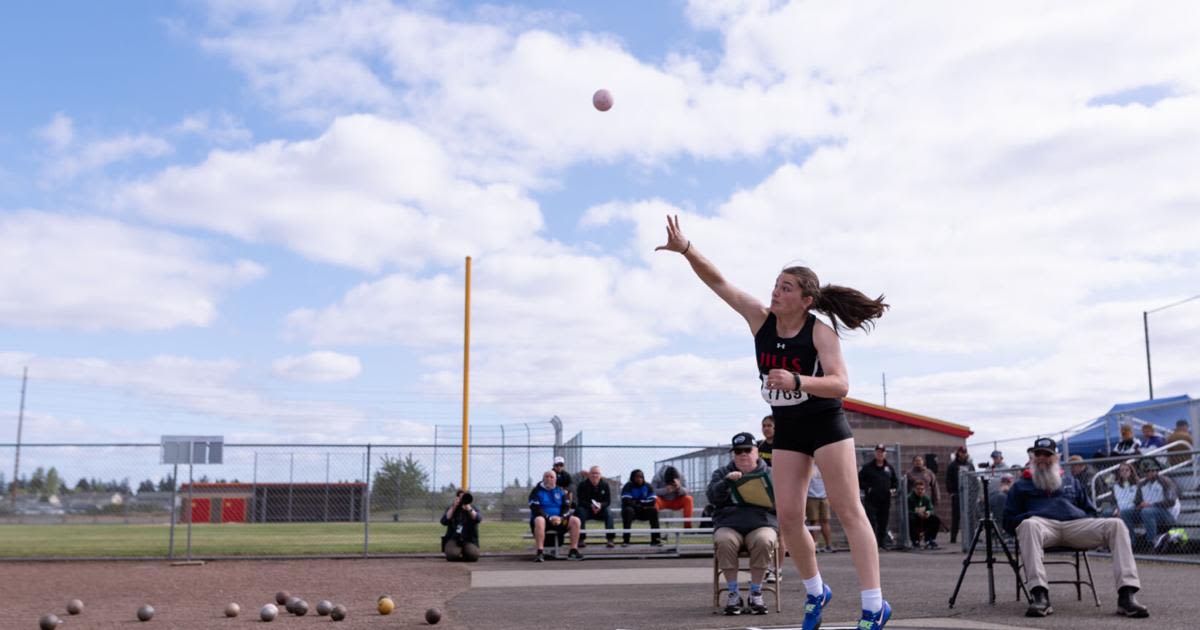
point(779, 397)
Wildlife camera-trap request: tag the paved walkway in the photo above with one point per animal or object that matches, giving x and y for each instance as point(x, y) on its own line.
point(514, 593)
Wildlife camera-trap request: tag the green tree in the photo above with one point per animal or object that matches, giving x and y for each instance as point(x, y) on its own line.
point(145, 486)
point(166, 484)
point(38, 481)
point(82, 485)
point(53, 482)
point(399, 482)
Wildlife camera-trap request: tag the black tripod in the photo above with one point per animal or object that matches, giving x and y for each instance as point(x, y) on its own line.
point(988, 530)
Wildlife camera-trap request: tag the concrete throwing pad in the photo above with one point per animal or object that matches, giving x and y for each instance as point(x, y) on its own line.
point(590, 577)
point(930, 623)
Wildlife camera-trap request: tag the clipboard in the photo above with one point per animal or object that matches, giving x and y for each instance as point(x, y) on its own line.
point(753, 489)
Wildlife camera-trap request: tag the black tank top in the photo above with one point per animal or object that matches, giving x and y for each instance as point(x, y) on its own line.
point(795, 354)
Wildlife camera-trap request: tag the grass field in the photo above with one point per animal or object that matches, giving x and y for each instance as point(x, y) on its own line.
point(231, 539)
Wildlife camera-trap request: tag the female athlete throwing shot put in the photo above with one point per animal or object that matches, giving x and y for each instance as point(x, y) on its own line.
point(803, 378)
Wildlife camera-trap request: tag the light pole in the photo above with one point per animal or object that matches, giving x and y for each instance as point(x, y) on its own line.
point(1146, 332)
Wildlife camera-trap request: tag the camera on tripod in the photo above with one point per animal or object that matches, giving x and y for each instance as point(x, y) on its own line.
point(987, 532)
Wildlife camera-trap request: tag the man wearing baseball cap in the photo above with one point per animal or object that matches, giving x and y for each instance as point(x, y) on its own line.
point(877, 478)
point(736, 525)
point(562, 477)
point(1047, 508)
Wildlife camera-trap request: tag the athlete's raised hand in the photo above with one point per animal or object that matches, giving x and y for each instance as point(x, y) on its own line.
point(676, 241)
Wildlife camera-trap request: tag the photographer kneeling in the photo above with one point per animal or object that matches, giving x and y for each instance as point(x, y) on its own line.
point(460, 543)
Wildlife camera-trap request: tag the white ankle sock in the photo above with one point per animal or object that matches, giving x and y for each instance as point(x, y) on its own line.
point(815, 586)
point(872, 599)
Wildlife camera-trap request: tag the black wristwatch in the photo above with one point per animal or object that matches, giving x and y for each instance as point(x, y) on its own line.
point(797, 377)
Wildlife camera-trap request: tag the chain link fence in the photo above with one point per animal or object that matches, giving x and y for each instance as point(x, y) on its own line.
point(1118, 486)
point(118, 500)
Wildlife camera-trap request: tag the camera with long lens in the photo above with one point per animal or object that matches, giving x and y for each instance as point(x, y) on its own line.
point(466, 499)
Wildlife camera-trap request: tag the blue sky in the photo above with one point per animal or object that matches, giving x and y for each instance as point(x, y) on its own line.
point(247, 218)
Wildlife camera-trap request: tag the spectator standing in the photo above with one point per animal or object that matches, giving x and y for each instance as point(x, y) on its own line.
point(962, 460)
point(923, 523)
point(1157, 501)
point(594, 497)
point(816, 509)
point(1082, 473)
point(461, 520)
point(879, 482)
point(550, 511)
point(1182, 433)
point(766, 444)
point(1150, 437)
point(638, 504)
point(735, 525)
point(995, 470)
point(919, 472)
point(1128, 445)
point(671, 493)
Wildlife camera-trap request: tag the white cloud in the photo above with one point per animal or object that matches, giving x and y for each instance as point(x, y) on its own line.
point(1016, 230)
point(59, 132)
point(517, 101)
point(98, 154)
point(182, 394)
point(90, 273)
point(318, 367)
point(220, 128)
point(367, 193)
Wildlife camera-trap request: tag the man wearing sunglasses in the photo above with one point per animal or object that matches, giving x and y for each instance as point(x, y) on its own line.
point(737, 525)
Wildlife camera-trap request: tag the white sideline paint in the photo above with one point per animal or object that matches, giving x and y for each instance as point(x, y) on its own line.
point(589, 577)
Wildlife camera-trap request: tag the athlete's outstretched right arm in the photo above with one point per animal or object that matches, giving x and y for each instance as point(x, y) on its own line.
point(745, 304)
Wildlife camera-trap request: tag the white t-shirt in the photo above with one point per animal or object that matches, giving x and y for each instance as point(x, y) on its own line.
point(816, 485)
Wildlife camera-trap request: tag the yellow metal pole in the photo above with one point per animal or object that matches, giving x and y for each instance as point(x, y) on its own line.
point(466, 375)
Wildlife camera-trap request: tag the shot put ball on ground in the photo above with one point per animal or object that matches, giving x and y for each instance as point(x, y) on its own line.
point(386, 606)
point(232, 609)
point(338, 613)
point(75, 606)
point(268, 612)
point(432, 616)
point(300, 609)
point(145, 613)
point(49, 622)
point(281, 597)
point(323, 607)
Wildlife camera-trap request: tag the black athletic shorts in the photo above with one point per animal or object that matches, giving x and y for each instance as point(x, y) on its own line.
point(811, 432)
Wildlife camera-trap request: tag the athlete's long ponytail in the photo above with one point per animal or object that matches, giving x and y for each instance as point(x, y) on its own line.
point(851, 306)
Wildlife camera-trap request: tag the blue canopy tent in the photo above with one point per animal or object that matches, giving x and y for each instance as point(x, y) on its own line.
point(1097, 437)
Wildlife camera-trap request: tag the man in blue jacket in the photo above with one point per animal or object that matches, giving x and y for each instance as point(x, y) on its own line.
point(550, 510)
point(1046, 508)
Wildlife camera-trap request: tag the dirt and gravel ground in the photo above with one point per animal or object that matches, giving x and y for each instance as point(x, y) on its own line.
point(512, 593)
point(186, 597)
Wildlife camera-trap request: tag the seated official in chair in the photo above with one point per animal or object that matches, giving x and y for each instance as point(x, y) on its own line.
point(736, 525)
point(1045, 509)
point(551, 512)
point(461, 540)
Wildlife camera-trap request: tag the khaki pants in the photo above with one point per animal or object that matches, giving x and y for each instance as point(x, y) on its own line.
point(1037, 533)
point(758, 543)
